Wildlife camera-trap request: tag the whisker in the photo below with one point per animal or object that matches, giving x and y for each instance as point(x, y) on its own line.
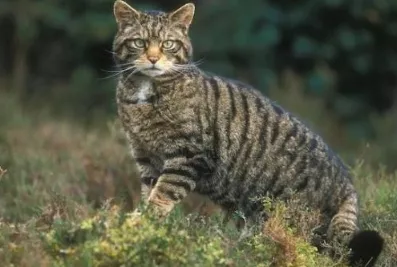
point(132, 73)
point(198, 62)
point(124, 64)
point(117, 73)
point(111, 71)
point(183, 68)
point(110, 52)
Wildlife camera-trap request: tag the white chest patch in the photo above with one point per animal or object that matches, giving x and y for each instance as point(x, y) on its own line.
point(144, 91)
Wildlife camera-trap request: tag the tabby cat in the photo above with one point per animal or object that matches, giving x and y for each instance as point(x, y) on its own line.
point(193, 131)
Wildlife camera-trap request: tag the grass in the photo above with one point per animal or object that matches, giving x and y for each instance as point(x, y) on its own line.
point(69, 193)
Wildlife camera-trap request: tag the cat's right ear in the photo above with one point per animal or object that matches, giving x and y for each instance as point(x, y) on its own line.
point(124, 13)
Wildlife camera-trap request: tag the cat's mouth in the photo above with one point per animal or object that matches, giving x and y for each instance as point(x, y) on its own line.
point(152, 71)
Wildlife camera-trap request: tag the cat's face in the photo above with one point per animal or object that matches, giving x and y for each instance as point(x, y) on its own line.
point(152, 43)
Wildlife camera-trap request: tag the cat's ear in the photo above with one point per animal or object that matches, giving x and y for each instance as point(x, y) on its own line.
point(124, 13)
point(183, 15)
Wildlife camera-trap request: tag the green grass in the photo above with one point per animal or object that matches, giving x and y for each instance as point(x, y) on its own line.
point(68, 198)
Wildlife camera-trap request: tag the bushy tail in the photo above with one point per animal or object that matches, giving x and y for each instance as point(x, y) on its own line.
point(365, 248)
point(365, 245)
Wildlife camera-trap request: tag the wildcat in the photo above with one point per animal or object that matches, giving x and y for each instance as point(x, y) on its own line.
point(190, 130)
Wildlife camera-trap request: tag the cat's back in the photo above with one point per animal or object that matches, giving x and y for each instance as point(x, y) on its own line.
point(262, 147)
point(242, 118)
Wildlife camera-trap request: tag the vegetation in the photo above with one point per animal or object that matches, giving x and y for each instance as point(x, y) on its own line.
point(69, 193)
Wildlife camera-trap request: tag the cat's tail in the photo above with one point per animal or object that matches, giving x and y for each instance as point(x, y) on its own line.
point(365, 245)
point(365, 248)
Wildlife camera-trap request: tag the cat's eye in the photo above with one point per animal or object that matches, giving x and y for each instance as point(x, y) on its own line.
point(138, 43)
point(169, 44)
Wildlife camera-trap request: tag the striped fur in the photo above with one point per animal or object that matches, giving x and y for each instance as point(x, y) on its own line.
point(194, 131)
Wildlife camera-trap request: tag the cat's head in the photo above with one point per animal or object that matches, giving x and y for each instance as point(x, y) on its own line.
point(152, 43)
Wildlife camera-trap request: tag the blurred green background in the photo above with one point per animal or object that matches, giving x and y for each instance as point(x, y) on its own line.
point(333, 62)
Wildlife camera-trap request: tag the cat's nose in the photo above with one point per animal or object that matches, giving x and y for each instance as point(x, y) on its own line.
point(153, 60)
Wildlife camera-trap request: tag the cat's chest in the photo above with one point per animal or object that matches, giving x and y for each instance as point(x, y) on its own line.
point(144, 92)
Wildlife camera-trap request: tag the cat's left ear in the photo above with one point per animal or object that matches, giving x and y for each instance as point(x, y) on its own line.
point(183, 15)
point(124, 13)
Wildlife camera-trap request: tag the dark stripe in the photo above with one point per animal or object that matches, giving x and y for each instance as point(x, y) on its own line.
point(274, 179)
point(292, 156)
point(170, 193)
point(246, 112)
point(215, 87)
point(243, 135)
point(185, 51)
point(200, 125)
point(207, 189)
point(278, 109)
point(343, 225)
point(275, 131)
point(258, 105)
point(248, 145)
point(156, 124)
point(207, 101)
point(227, 186)
point(161, 29)
point(129, 101)
point(253, 207)
point(220, 191)
point(232, 101)
point(125, 116)
point(180, 183)
point(184, 151)
point(301, 166)
point(261, 153)
point(128, 59)
point(231, 118)
point(254, 183)
point(188, 136)
point(320, 166)
point(180, 172)
point(245, 167)
point(291, 133)
point(302, 184)
point(343, 189)
point(337, 173)
point(347, 212)
point(178, 58)
point(150, 181)
point(262, 137)
point(279, 191)
point(312, 144)
point(143, 160)
point(201, 165)
point(303, 140)
point(314, 163)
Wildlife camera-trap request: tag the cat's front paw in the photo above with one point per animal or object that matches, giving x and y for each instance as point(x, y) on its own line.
point(160, 205)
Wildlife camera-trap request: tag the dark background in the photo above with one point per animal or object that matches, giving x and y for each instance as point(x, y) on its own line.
point(343, 53)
